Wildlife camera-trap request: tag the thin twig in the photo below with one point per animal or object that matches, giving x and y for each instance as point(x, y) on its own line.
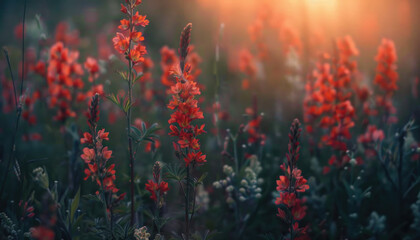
point(6, 53)
point(187, 204)
point(193, 206)
point(23, 48)
point(18, 112)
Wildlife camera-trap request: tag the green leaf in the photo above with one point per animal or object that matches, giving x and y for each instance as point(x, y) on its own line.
point(123, 75)
point(74, 205)
point(38, 21)
point(120, 102)
point(144, 134)
point(175, 172)
point(201, 179)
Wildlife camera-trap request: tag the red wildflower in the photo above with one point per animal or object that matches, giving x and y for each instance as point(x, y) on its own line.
point(186, 109)
point(139, 20)
point(327, 103)
point(64, 74)
point(96, 156)
point(290, 39)
point(128, 42)
point(292, 183)
point(157, 187)
point(42, 233)
point(91, 65)
point(248, 67)
point(386, 78)
point(121, 42)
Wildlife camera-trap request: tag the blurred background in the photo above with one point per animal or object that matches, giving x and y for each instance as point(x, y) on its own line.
point(224, 32)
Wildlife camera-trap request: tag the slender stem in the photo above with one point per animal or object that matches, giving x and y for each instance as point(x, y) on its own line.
point(18, 105)
point(13, 147)
point(187, 204)
point(235, 153)
point(11, 74)
point(193, 206)
point(157, 208)
point(400, 167)
point(23, 47)
point(130, 143)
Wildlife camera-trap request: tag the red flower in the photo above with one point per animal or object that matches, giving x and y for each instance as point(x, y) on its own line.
point(42, 233)
point(157, 187)
point(386, 78)
point(87, 138)
point(152, 187)
point(136, 54)
point(63, 75)
point(292, 183)
point(103, 135)
point(137, 36)
point(123, 9)
point(184, 93)
point(283, 183)
point(125, 24)
point(196, 158)
point(140, 20)
point(96, 156)
point(121, 43)
point(106, 154)
point(88, 155)
point(93, 68)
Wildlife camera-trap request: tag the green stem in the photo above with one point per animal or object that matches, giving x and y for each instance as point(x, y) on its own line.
point(18, 105)
point(187, 204)
point(128, 116)
point(235, 154)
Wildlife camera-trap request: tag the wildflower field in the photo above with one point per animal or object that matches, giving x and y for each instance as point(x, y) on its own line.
point(210, 119)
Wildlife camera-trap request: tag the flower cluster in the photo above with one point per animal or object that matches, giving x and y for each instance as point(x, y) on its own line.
point(328, 101)
point(248, 67)
point(250, 184)
point(290, 39)
point(252, 128)
point(370, 138)
point(157, 187)
point(129, 41)
point(141, 233)
point(202, 198)
point(63, 74)
point(292, 208)
point(96, 156)
point(170, 60)
point(91, 65)
point(186, 108)
point(386, 78)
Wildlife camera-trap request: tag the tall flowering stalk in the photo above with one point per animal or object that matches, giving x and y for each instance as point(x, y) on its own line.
point(328, 105)
point(96, 156)
point(129, 42)
point(292, 208)
point(386, 78)
point(185, 105)
point(157, 188)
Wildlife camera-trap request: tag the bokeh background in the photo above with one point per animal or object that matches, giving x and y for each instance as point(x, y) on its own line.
point(221, 29)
